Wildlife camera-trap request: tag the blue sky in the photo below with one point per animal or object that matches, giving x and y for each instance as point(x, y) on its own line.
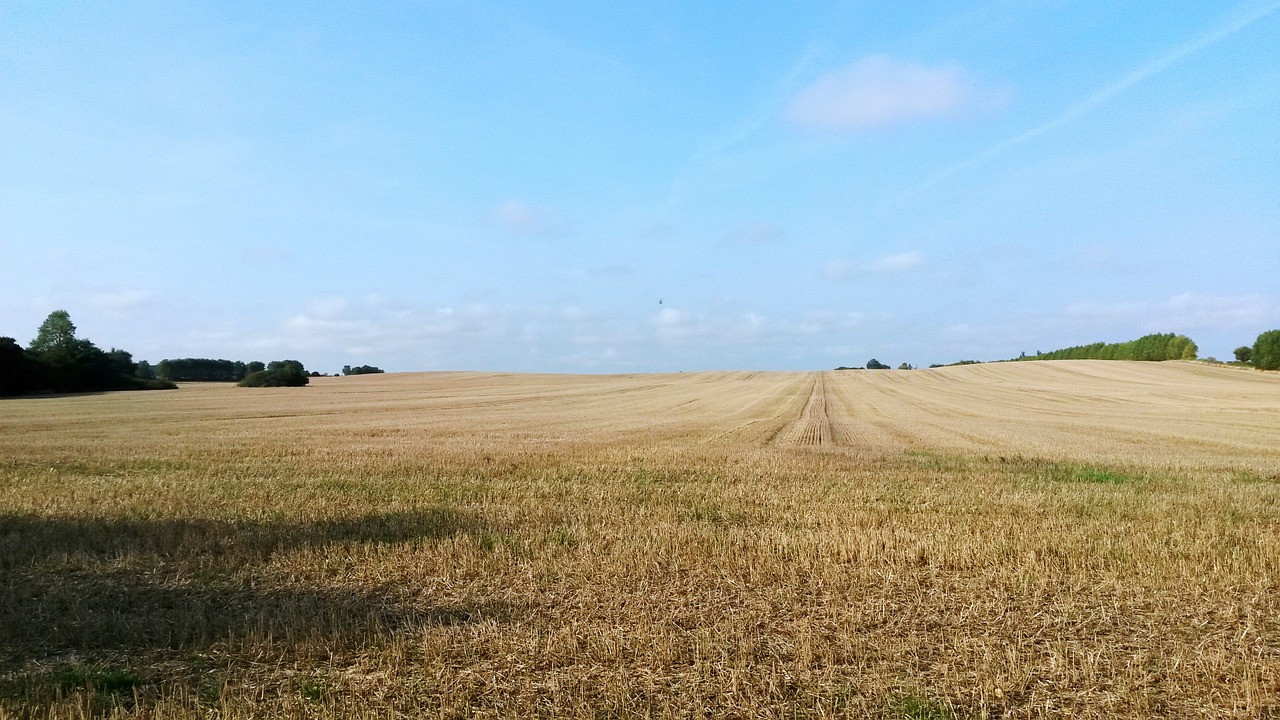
point(657, 186)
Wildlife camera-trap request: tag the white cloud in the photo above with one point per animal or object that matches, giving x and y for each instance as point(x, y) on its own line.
point(1239, 21)
point(1209, 311)
point(122, 301)
point(331, 331)
point(844, 270)
point(521, 218)
point(898, 262)
point(672, 324)
point(879, 91)
point(821, 322)
point(1187, 312)
point(839, 270)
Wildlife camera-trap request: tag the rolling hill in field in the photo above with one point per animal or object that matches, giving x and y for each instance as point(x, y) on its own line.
point(1083, 409)
point(1052, 539)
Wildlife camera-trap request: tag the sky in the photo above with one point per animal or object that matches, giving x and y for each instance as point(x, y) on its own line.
point(592, 187)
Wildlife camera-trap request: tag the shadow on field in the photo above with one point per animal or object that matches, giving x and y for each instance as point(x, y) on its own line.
point(103, 586)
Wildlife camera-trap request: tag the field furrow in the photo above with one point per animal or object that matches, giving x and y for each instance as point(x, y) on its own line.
point(1049, 539)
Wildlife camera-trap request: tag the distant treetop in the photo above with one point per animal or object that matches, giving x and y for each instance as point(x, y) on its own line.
point(1265, 354)
point(1156, 347)
point(279, 373)
point(361, 370)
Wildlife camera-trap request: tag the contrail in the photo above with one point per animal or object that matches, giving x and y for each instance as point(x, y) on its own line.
point(1084, 107)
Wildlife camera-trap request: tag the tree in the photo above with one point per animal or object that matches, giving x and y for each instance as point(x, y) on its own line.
point(360, 370)
point(70, 364)
point(1266, 351)
point(56, 332)
point(202, 370)
point(906, 366)
point(1243, 353)
point(59, 361)
point(18, 373)
point(1157, 347)
point(122, 361)
point(874, 364)
point(279, 373)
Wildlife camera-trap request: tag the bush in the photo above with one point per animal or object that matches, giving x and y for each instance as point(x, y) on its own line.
point(360, 370)
point(1266, 351)
point(280, 373)
point(1243, 353)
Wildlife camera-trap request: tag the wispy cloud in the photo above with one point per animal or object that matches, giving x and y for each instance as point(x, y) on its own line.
point(1186, 312)
point(898, 262)
point(880, 91)
point(730, 139)
point(1100, 97)
point(844, 270)
point(839, 270)
point(520, 218)
point(122, 301)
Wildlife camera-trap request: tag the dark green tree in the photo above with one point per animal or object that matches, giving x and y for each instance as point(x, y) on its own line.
point(59, 361)
point(122, 361)
point(1243, 353)
point(1266, 351)
point(19, 374)
point(202, 370)
point(874, 364)
point(278, 373)
point(69, 364)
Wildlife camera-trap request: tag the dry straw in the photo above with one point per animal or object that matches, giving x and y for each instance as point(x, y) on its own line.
point(1066, 539)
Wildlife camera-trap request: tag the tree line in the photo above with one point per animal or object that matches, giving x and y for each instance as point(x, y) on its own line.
point(57, 361)
point(1264, 354)
point(205, 370)
point(277, 373)
point(361, 370)
point(1155, 347)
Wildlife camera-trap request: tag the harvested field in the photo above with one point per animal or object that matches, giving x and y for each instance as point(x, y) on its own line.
point(1043, 539)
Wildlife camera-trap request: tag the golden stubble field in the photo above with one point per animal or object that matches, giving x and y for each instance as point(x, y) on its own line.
point(1049, 539)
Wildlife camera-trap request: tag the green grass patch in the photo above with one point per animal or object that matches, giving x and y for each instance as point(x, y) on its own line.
point(114, 681)
point(312, 689)
point(1095, 475)
point(1246, 477)
point(41, 687)
point(1071, 473)
point(909, 706)
point(562, 536)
